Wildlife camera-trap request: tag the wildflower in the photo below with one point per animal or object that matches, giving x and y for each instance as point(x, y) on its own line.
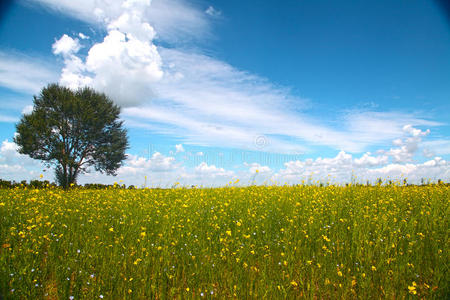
point(228, 232)
point(412, 288)
point(111, 229)
point(374, 268)
point(294, 284)
point(339, 273)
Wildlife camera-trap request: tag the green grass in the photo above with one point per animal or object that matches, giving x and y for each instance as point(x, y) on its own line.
point(254, 242)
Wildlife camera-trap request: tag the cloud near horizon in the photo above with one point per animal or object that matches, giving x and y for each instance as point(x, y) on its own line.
point(161, 170)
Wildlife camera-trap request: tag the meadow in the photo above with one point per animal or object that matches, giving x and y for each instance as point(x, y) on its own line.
point(274, 242)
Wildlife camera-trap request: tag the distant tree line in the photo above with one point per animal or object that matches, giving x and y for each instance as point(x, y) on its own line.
point(38, 184)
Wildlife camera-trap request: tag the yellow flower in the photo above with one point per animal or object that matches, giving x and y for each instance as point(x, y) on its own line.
point(228, 232)
point(412, 288)
point(111, 229)
point(374, 268)
point(293, 283)
point(339, 273)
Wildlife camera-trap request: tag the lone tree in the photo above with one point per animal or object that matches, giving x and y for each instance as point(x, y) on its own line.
point(73, 131)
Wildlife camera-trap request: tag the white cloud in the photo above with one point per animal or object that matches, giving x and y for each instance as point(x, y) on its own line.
point(208, 102)
point(369, 161)
point(66, 45)
point(124, 65)
point(343, 168)
point(24, 73)
point(162, 170)
point(407, 147)
point(179, 148)
point(18, 167)
point(197, 98)
point(438, 147)
point(83, 36)
point(156, 163)
point(28, 109)
point(213, 12)
point(257, 168)
point(175, 20)
point(8, 119)
point(204, 170)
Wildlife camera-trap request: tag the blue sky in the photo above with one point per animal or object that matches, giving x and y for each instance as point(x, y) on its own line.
point(214, 91)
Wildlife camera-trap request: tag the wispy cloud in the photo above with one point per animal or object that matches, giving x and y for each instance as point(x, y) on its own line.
point(213, 12)
point(198, 98)
point(8, 119)
point(23, 73)
point(176, 21)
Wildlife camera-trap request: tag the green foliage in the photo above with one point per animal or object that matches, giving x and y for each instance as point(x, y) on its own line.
point(73, 131)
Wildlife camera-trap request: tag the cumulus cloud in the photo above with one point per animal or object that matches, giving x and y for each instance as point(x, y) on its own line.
point(204, 170)
point(254, 168)
point(16, 166)
point(27, 109)
point(66, 45)
point(343, 168)
point(369, 161)
point(163, 170)
point(124, 65)
point(156, 170)
point(396, 163)
point(195, 97)
point(408, 146)
point(179, 148)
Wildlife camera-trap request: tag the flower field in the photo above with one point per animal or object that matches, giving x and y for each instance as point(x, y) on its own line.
point(232, 242)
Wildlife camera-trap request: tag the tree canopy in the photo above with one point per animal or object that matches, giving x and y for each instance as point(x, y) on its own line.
point(73, 131)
